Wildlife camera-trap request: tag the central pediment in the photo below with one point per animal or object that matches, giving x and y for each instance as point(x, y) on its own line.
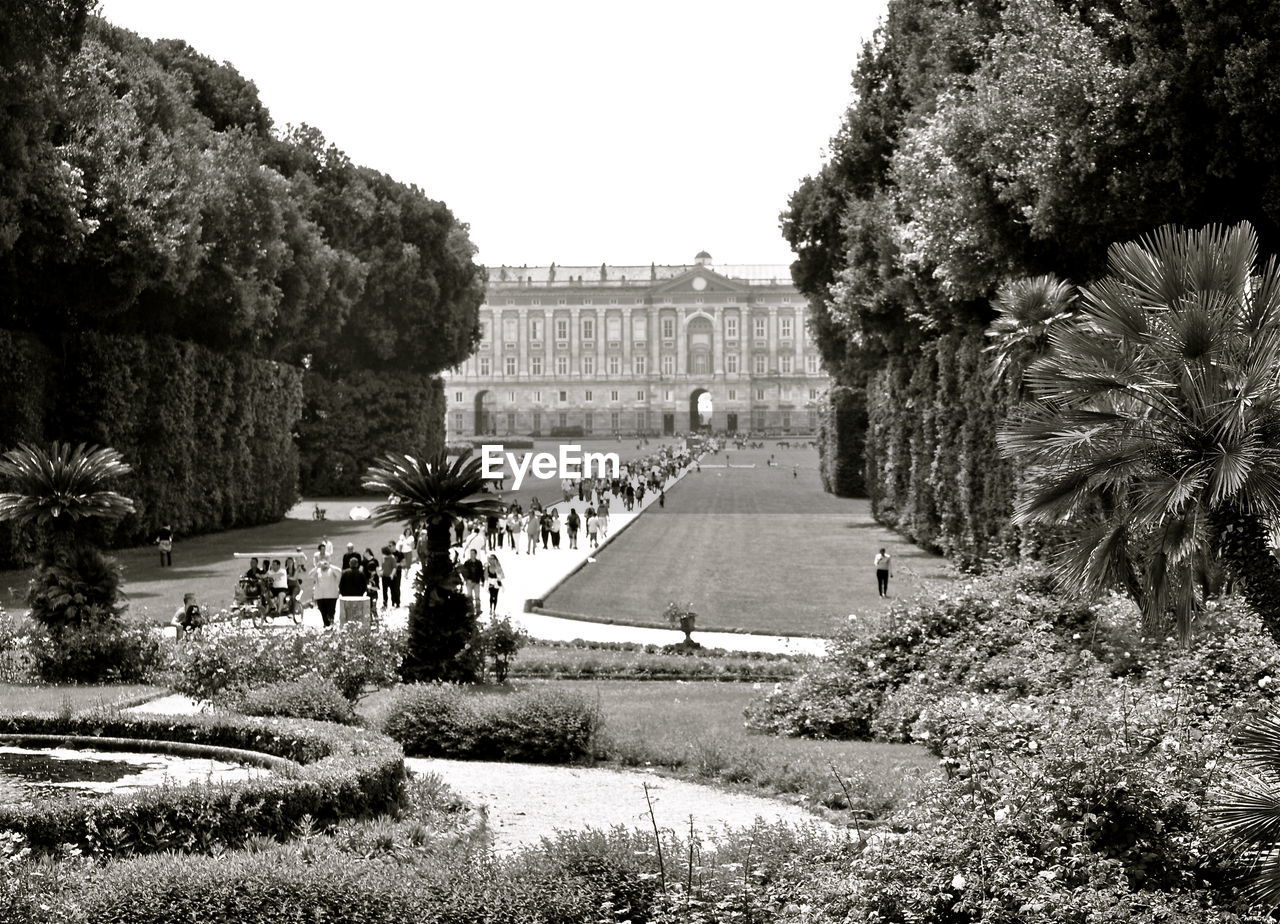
point(699, 280)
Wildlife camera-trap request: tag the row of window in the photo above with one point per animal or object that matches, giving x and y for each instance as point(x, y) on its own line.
point(699, 364)
point(562, 395)
point(639, 328)
point(698, 300)
point(759, 420)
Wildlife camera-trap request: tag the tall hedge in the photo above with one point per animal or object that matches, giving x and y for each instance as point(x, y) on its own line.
point(209, 435)
point(842, 425)
point(346, 424)
point(933, 469)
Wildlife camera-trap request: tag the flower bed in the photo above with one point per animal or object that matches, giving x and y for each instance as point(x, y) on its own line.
point(322, 772)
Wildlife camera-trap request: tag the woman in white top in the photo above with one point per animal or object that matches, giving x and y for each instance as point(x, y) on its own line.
point(884, 565)
point(493, 580)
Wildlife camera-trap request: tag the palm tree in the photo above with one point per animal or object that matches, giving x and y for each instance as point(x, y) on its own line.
point(59, 505)
point(1248, 812)
point(433, 493)
point(1027, 310)
point(1154, 433)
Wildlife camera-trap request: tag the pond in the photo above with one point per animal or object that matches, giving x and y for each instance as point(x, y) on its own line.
point(28, 773)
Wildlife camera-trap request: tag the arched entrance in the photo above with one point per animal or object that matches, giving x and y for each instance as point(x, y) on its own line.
point(700, 408)
point(484, 421)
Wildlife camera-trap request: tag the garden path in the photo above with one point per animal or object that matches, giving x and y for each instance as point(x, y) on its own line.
point(527, 802)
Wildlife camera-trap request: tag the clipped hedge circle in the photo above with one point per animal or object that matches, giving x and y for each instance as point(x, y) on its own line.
point(321, 772)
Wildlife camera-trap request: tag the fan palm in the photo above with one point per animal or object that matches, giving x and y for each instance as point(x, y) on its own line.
point(1248, 812)
point(1154, 433)
point(1027, 310)
point(433, 493)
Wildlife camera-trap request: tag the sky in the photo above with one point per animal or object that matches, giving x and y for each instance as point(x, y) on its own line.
point(574, 132)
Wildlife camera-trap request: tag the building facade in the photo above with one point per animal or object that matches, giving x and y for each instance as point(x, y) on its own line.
point(597, 351)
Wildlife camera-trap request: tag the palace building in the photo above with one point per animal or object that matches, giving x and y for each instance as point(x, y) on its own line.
point(597, 351)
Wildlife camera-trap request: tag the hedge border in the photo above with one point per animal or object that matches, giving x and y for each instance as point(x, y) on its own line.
point(330, 774)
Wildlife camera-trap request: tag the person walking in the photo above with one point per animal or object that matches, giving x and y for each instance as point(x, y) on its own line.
point(662, 497)
point(511, 523)
point(544, 526)
point(164, 539)
point(324, 590)
point(473, 576)
point(493, 581)
point(555, 528)
point(571, 524)
point(593, 529)
point(390, 577)
point(492, 537)
point(531, 532)
point(884, 571)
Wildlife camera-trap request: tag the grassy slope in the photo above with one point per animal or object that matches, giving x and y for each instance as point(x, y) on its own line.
point(750, 549)
point(32, 698)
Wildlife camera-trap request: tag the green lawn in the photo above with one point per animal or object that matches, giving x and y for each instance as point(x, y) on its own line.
point(15, 697)
point(695, 730)
point(762, 549)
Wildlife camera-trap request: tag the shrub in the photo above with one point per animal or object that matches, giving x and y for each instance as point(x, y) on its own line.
point(224, 663)
point(311, 697)
point(343, 773)
point(112, 650)
point(536, 726)
point(500, 641)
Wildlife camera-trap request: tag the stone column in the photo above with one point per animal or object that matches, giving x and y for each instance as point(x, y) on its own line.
point(682, 345)
point(575, 333)
point(773, 337)
point(522, 341)
point(717, 345)
point(626, 342)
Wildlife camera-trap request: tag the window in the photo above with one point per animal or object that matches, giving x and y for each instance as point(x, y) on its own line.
point(639, 301)
point(485, 366)
point(537, 397)
point(785, 363)
point(700, 362)
point(731, 327)
point(588, 364)
point(759, 363)
point(759, 394)
point(639, 394)
point(761, 325)
point(511, 421)
point(563, 418)
point(535, 365)
point(698, 300)
point(537, 421)
point(640, 364)
point(666, 396)
point(457, 420)
point(813, 394)
point(613, 396)
point(786, 420)
point(509, 365)
point(733, 394)
point(613, 301)
point(731, 362)
point(668, 365)
point(784, 328)
point(586, 301)
point(511, 397)
point(587, 422)
point(484, 331)
point(561, 302)
point(535, 329)
point(639, 327)
point(588, 328)
point(562, 365)
point(535, 301)
point(613, 327)
point(562, 328)
point(613, 419)
point(509, 330)
point(586, 396)
point(786, 299)
point(564, 396)
point(511, 301)
point(668, 328)
point(811, 364)
point(615, 365)
point(457, 397)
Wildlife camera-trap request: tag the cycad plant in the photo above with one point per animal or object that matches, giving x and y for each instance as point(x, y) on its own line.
point(1153, 436)
point(433, 493)
point(59, 503)
point(1248, 812)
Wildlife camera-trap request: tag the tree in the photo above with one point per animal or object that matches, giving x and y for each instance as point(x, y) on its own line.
point(433, 493)
point(1154, 433)
point(1249, 811)
point(60, 504)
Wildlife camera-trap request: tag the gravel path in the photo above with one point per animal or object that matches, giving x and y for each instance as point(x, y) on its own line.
point(527, 802)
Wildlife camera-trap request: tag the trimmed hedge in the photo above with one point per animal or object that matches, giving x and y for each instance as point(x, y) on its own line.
point(534, 726)
point(345, 425)
point(341, 773)
point(842, 434)
point(312, 697)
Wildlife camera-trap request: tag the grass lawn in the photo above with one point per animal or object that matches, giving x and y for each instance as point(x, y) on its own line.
point(695, 730)
point(18, 697)
point(761, 549)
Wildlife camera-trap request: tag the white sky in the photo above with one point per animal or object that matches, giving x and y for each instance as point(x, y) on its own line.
point(579, 132)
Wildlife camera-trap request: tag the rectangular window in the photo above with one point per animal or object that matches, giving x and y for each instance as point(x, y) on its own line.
point(733, 394)
point(668, 365)
point(586, 301)
point(666, 396)
point(786, 420)
point(535, 329)
point(586, 396)
point(457, 397)
point(639, 327)
point(759, 394)
point(562, 328)
point(511, 397)
point(762, 328)
point(562, 301)
point(615, 365)
point(509, 330)
point(613, 396)
point(485, 365)
point(640, 364)
point(640, 394)
point(564, 396)
point(535, 301)
point(587, 422)
point(784, 328)
point(484, 331)
point(588, 364)
point(811, 364)
point(537, 421)
point(731, 327)
point(563, 418)
point(457, 420)
point(813, 394)
point(731, 362)
point(785, 363)
point(760, 363)
point(509, 365)
point(668, 328)
point(613, 419)
point(535, 365)
point(537, 397)
point(613, 325)
point(562, 365)
point(511, 421)
point(588, 328)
